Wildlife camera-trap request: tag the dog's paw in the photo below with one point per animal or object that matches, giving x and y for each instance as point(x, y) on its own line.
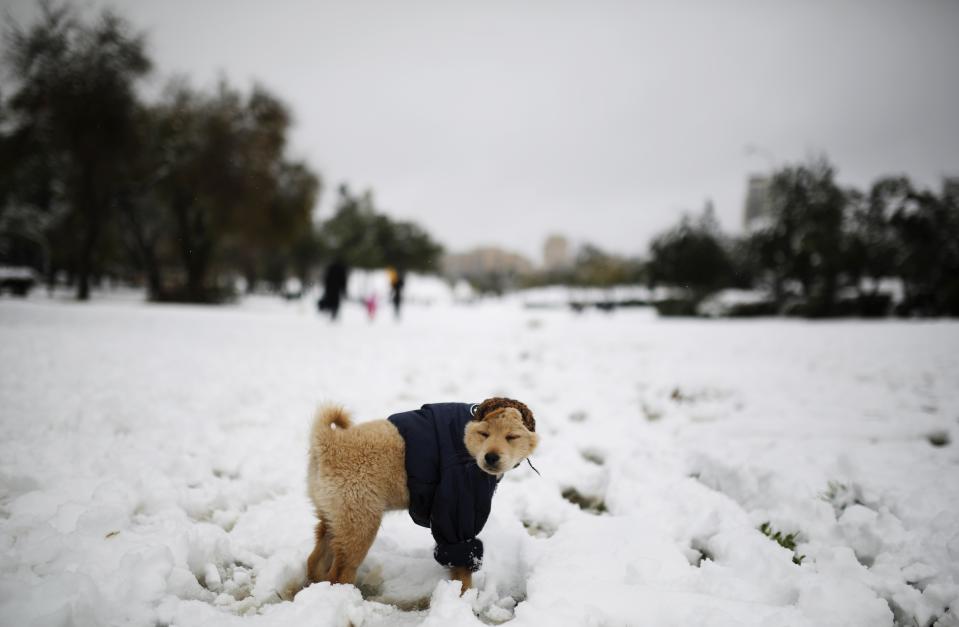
point(370, 582)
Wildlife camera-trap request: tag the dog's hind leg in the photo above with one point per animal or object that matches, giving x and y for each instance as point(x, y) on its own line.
point(318, 564)
point(353, 533)
point(462, 575)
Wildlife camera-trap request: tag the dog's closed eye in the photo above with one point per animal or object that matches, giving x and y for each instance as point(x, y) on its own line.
point(485, 435)
point(510, 438)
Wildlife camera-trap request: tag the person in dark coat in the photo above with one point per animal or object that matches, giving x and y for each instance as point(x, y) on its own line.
point(397, 283)
point(334, 287)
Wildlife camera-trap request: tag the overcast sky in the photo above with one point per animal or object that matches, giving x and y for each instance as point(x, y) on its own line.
point(502, 122)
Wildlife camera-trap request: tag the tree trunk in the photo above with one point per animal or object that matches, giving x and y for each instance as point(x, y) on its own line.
point(85, 263)
point(830, 285)
point(154, 282)
point(145, 251)
point(83, 284)
point(194, 249)
point(196, 274)
point(89, 207)
point(51, 278)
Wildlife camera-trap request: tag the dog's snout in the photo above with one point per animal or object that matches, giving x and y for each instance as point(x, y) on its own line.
point(491, 459)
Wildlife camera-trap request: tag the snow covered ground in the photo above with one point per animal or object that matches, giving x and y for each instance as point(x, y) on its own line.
point(152, 466)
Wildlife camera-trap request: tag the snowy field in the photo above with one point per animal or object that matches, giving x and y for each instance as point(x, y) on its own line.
point(152, 466)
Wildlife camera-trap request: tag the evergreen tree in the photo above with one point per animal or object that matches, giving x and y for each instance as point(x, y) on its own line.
point(691, 255)
point(805, 240)
point(927, 232)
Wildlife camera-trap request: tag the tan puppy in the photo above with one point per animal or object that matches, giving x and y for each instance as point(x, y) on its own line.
point(357, 473)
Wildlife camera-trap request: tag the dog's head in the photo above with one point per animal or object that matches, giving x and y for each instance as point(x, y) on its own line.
point(501, 436)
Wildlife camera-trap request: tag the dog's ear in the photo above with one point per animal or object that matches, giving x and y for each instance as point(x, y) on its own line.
point(499, 402)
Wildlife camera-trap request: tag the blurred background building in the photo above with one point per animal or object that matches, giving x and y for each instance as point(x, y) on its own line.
point(757, 208)
point(490, 268)
point(950, 186)
point(556, 253)
point(485, 260)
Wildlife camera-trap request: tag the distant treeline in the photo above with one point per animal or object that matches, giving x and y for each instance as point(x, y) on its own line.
point(817, 249)
point(823, 250)
point(185, 194)
point(189, 192)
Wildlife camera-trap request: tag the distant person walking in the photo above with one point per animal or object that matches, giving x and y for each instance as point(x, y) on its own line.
point(397, 282)
point(334, 287)
point(371, 302)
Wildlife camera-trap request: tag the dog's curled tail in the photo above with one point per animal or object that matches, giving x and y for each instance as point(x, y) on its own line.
point(321, 437)
point(328, 415)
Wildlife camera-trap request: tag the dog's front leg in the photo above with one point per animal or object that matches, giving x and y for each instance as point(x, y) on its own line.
point(462, 575)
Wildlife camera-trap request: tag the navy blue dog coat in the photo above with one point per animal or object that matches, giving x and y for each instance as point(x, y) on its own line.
point(449, 493)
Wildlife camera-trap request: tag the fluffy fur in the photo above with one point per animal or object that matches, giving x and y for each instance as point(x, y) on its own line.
point(358, 472)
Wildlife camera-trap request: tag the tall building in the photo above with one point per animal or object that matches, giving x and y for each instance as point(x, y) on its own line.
point(556, 253)
point(950, 186)
point(757, 207)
